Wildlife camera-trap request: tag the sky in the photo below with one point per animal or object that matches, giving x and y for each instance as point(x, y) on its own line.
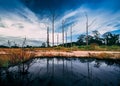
point(30, 19)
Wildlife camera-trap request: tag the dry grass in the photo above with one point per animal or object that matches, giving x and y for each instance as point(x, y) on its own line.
point(13, 56)
point(63, 49)
point(106, 55)
point(4, 60)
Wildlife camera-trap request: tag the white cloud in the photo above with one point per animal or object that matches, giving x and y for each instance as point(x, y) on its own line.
point(102, 19)
point(24, 23)
point(70, 14)
point(31, 27)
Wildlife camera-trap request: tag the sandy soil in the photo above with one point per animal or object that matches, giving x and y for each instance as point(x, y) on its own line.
point(78, 53)
point(98, 54)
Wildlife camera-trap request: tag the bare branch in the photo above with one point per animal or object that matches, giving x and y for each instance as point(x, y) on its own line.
point(24, 42)
point(91, 23)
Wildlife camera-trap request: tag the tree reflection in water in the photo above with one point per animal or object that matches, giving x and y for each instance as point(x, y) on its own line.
point(62, 72)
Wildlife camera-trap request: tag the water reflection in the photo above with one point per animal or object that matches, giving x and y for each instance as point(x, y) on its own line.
point(62, 72)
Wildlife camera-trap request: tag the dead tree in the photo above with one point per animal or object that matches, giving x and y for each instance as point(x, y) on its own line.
point(71, 36)
point(63, 32)
point(57, 39)
point(87, 27)
point(23, 54)
point(53, 22)
point(9, 44)
point(53, 17)
point(47, 36)
point(66, 37)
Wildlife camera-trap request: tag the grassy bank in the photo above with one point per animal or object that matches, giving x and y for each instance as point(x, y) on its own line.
point(10, 56)
point(84, 48)
point(74, 48)
point(100, 48)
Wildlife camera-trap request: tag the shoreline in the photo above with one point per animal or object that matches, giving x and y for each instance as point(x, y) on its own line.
point(80, 54)
point(16, 57)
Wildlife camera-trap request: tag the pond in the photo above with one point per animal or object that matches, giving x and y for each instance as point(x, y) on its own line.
point(62, 72)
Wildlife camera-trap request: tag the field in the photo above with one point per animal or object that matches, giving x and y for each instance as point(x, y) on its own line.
point(10, 56)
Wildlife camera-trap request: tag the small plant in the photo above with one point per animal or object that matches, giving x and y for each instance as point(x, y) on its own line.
point(4, 61)
point(102, 55)
point(19, 55)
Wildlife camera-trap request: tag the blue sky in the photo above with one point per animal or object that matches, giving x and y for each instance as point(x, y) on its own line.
point(29, 18)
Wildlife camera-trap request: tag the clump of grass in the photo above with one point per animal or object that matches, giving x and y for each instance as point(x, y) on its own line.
point(75, 48)
point(110, 48)
point(86, 47)
point(102, 55)
point(13, 55)
point(99, 47)
point(117, 56)
point(105, 55)
point(4, 60)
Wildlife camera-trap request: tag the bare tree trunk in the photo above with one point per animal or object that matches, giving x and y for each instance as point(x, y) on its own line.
point(63, 31)
point(71, 37)
point(87, 26)
point(53, 21)
point(66, 38)
point(47, 36)
point(57, 39)
point(86, 29)
point(53, 17)
point(22, 53)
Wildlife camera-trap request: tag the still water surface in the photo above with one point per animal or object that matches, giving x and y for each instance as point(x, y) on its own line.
point(62, 72)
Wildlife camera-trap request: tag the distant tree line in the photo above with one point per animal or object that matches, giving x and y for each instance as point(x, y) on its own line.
point(95, 38)
point(106, 39)
point(11, 45)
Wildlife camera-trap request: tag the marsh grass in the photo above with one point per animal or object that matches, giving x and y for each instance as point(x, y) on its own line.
point(14, 56)
point(99, 48)
point(4, 60)
point(115, 56)
point(19, 55)
point(92, 47)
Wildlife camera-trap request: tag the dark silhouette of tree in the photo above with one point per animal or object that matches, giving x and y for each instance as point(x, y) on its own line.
point(96, 34)
point(106, 37)
point(110, 39)
point(43, 45)
point(114, 39)
point(81, 40)
point(118, 42)
point(96, 38)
